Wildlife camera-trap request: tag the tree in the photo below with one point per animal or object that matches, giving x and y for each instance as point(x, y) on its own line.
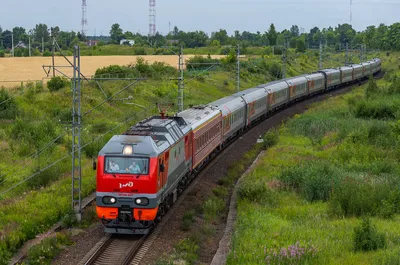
point(7, 39)
point(294, 31)
point(221, 36)
point(41, 31)
point(55, 31)
point(116, 33)
point(19, 34)
point(301, 45)
point(272, 35)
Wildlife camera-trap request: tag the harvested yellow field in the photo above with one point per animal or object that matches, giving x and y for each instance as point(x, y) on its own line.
point(15, 70)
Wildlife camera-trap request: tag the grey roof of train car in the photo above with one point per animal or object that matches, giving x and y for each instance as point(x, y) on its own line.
point(198, 115)
point(229, 104)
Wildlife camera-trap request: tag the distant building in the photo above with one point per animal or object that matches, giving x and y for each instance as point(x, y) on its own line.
point(127, 42)
point(21, 45)
point(92, 43)
point(172, 42)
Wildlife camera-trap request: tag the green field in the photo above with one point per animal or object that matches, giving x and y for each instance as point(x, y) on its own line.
point(328, 191)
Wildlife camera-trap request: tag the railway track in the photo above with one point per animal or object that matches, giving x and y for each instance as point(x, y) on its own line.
point(117, 249)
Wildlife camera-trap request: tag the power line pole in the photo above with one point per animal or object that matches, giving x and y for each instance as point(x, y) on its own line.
point(347, 53)
point(30, 53)
point(12, 43)
point(76, 135)
point(284, 59)
point(52, 55)
point(42, 44)
point(181, 84)
point(238, 68)
point(320, 55)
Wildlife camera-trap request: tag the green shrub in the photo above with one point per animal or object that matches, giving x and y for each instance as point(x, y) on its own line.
point(371, 89)
point(187, 249)
point(187, 220)
point(314, 180)
point(57, 83)
point(47, 249)
point(69, 220)
point(47, 53)
point(139, 51)
point(2, 53)
point(220, 192)
point(44, 178)
point(358, 197)
point(271, 138)
point(367, 238)
point(213, 208)
point(9, 109)
point(254, 191)
point(373, 109)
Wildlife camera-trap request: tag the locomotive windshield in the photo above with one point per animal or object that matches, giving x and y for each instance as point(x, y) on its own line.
point(127, 165)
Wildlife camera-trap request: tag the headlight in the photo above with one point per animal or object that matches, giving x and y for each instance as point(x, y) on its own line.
point(109, 200)
point(142, 201)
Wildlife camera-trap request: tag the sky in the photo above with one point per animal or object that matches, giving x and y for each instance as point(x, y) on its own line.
point(206, 15)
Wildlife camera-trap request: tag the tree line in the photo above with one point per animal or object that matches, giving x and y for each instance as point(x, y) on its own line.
point(381, 37)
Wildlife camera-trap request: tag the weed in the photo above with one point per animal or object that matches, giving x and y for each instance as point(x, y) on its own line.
point(213, 208)
point(367, 238)
point(271, 138)
point(220, 192)
point(187, 220)
point(187, 249)
point(9, 108)
point(47, 249)
point(293, 254)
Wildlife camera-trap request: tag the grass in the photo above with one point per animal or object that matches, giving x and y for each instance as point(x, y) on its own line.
point(38, 116)
point(330, 170)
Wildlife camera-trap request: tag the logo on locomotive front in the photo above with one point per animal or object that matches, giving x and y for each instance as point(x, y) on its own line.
point(129, 185)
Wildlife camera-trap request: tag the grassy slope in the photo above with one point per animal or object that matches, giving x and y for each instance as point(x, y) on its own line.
point(26, 211)
point(327, 134)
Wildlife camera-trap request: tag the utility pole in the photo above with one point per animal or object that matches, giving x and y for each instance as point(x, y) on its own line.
point(320, 55)
point(273, 50)
point(30, 53)
point(42, 45)
point(238, 68)
point(76, 136)
point(12, 43)
point(181, 84)
point(52, 55)
point(347, 53)
point(284, 59)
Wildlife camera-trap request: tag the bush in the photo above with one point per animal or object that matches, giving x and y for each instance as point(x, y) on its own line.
point(376, 109)
point(314, 180)
point(355, 197)
point(187, 220)
point(9, 109)
point(2, 53)
point(47, 249)
point(257, 192)
point(139, 51)
point(57, 83)
point(367, 238)
point(271, 138)
point(212, 208)
point(371, 89)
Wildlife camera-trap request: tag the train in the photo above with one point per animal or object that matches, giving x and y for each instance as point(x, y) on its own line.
point(142, 172)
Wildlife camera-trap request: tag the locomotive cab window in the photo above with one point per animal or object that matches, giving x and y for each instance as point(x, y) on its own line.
point(126, 165)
